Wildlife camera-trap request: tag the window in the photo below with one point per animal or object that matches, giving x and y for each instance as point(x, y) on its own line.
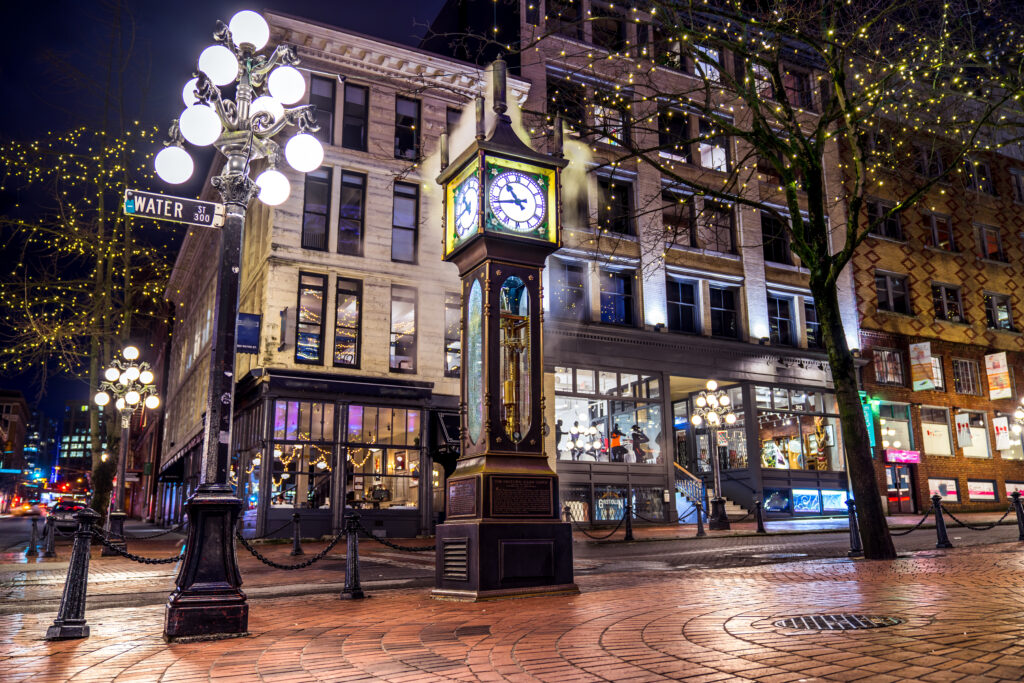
point(302, 450)
point(936, 432)
point(780, 321)
point(309, 323)
point(979, 446)
point(940, 231)
point(928, 161)
point(563, 17)
point(617, 304)
point(615, 208)
point(947, 303)
point(384, 461)
point(980, 177)
point(1017, 180)
point(674, 134)
point(321, 95)
point(889, 367)
point(407, 128)
point(569, 290)
point(356, 117)
point(797, 85)
point(347, 321)
point(315, 208)
point(965, 377)
point(677, 218)
point(990, 243)
point(812, 326)
point(566, 98)
point(997, 311)
point(452, 340)
point(404, 222)
point(403, 329)
point(352, 213)
point(892, 293)
point(705, 63)
point(938, 376)
point(611, 123)
point(712, 145)
point(763, 81)
point(608, 29)
point(451, 119)
point(894, 421)
point(774, 239)
point(682, 306)
point(724, 316)
point(882, 225)
point(714, 227)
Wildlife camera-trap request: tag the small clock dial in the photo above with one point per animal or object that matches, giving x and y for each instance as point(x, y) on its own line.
point(517, 201)
point(467, 206)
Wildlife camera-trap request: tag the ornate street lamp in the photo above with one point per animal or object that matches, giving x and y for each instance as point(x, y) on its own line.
point(243, 130)
point(712, 409)
point(130, 385)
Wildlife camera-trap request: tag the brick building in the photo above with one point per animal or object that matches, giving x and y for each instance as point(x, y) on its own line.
point(940, 286)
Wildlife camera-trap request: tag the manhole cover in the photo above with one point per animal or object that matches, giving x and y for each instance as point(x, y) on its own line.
point(837, 622)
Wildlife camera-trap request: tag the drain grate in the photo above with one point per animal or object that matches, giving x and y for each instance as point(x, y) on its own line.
point(837, 622)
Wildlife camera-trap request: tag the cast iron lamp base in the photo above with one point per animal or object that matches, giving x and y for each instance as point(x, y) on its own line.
point(115, 533)
point(719, 520)
point(208, 602)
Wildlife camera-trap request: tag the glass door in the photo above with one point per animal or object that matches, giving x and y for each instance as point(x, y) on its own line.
point(900, 494)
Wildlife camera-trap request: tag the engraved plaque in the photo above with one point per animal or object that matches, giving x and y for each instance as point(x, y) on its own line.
point(462, 498)
point(522, 497)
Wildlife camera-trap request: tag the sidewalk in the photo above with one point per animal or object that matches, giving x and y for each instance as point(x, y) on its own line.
point(960, 611)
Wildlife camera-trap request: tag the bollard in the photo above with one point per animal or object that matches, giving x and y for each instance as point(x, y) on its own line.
point(70, 621)
point(33, 541)
point(566, 514)
point(942, 540)
point(759, 515)
point(856, 550)
point(700, 515)
point(50, 548)
point(629, 522)
point(352, 589)
point(296, 533)
point(1019, 509)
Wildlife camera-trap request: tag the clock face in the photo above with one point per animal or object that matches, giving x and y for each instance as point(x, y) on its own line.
point(467, 206)
point(517, 201)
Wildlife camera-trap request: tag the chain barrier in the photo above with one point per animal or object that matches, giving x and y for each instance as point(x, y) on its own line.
point(181, 526)
point(288, 567)
point(737, 521)
point(271, 533)
point(135, 558)
point(599, 538)
point(979, 527)
point(384, 541)
point(913, 528)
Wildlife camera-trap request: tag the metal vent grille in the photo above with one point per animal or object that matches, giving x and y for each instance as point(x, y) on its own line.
point(837, 622)
point(456, 559)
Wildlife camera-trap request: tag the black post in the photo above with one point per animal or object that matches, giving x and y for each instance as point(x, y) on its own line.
point(942, 539)
point(759, 516)
point(629, 522)
point(352, 589)
point(70, 621)
point(701, 509)
point(296, 533)
point(856, 550)
point(566, 514)
point(1019, 509)
point(50, 548)
point(33, 540)
point(115, 513)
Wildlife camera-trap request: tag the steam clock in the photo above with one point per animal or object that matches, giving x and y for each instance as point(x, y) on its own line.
point(502, 536)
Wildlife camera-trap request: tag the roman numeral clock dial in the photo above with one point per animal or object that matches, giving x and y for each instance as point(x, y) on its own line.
point(517, 201)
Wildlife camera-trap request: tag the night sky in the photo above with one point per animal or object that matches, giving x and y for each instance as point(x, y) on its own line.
point(53, 70)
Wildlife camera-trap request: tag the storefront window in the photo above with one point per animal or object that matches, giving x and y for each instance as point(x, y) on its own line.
point(936, 432)
point(1014, 452)
point(792, 436)
point(978, 446)
point(894, 422)
point(301, 455)
point(383, 458)
point(577, 499)
point(609, 503)
point(649, 503)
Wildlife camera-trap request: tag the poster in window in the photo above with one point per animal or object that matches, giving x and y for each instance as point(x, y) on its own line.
point(1001, 426)
point(998, 376)
point(1014, 486)
point(936, 438)
point(981, 490)
point(963, 430)
point(944, 488)
point(921, 367)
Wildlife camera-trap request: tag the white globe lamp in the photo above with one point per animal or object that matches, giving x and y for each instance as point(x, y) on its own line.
point(146, 377)
point(712, 385)
point(268, 104)
point(101, 399)
point(249, 28)
point(304, 153)
point(120, 404)
point(132, 373)
point(130, 353)
point(188, 93)
point(274, 187)
point(286, 84)
point(152, 402)
point(112, 374)
point(219, 64)
point(132, 398)
point(200, 125)
point(173, 165)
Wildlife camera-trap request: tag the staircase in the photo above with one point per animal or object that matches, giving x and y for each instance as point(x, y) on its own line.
point(693, 491)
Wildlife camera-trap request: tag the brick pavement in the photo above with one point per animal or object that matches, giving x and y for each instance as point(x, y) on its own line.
point(961, 610)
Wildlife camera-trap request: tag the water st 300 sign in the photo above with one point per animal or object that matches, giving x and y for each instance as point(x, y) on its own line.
point(176, 209)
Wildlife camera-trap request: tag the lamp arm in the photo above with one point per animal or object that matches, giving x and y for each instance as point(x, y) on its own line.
point(261, 65)
point(303, 117)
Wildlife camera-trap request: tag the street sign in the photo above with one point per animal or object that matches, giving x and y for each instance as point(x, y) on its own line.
point(176, 209)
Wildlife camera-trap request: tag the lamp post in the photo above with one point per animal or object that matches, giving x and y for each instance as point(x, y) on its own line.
point(713, 408)
point(130, 384)
point(207, 601)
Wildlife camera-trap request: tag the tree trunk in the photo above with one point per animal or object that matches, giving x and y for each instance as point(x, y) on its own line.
point(874, 528)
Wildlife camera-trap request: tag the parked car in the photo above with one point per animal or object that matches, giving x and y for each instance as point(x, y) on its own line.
point(31, 509)
point(64, 512)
